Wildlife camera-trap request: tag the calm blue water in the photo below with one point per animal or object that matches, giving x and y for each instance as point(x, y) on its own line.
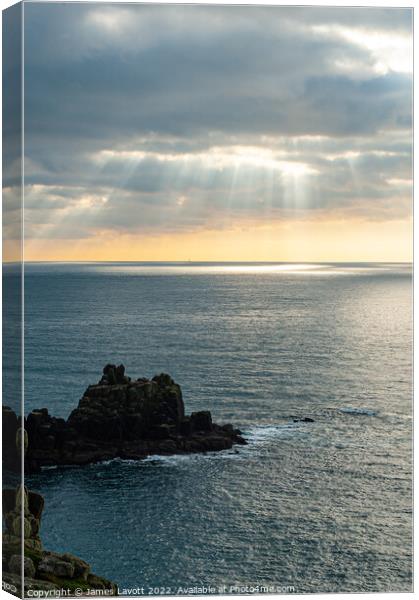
point(323, 507)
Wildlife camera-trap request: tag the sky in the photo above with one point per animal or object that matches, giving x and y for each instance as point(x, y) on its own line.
point(216, 133)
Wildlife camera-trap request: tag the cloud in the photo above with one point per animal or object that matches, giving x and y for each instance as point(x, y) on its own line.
point(241, 112)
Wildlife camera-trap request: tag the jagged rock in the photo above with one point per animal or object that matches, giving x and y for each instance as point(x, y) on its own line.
point(43, 570)
point(10, 426)
point(240, 440)
point(228, 428)
point(81, 568)
point(166, 447)
point(119, 417)
point(29, 584)
point(35, 504)
point(16, 501)
point(186, 426)
point(162, 432)
point(52, 565)
point(163, 380)
point(201, 421)
point(22, 526)
point(15, 565)
point(99, 583)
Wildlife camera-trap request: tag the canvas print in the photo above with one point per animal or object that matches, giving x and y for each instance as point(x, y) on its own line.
point(207, 310)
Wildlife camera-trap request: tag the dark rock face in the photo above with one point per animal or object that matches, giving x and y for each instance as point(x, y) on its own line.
point(10, 427)
point(201, 421)
point(42, 569)
point(118, 417)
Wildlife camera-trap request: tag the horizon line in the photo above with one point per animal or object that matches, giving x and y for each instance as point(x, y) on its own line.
point(201, 262)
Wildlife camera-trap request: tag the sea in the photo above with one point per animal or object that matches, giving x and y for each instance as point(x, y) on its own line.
point(304, 507)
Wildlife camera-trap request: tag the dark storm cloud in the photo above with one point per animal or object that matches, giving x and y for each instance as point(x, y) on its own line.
point(176, 82)
point(251, 75)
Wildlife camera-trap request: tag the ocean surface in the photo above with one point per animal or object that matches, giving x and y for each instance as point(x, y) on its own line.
point(323, 506)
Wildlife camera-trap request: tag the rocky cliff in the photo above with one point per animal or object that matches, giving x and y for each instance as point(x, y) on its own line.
point(43, 570)
point(117, 417)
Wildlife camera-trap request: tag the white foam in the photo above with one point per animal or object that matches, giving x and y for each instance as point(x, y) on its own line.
point(255, 436)
point(359, 411)
point(174, 459)
point(265, 433)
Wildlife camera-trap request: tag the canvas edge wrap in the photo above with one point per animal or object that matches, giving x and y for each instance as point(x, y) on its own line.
point(12, 267)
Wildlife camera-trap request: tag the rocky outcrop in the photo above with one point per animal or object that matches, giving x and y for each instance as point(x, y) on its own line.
point(118, 417)
point(43, 570)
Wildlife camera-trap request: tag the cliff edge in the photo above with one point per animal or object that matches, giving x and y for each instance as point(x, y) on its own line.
point(48, 572)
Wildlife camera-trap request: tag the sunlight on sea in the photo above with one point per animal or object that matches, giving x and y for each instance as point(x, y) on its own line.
point(324, 505)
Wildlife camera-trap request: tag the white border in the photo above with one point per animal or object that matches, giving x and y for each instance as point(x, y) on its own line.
point(369, 3)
